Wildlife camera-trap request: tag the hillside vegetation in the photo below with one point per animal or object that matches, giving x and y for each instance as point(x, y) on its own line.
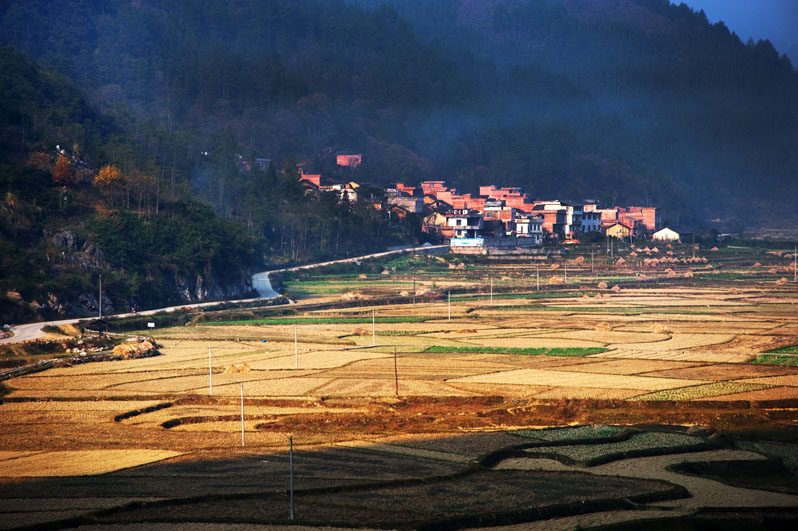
point(634, 101)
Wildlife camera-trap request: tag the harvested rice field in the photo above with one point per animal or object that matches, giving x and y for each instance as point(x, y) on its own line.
point(430, 404)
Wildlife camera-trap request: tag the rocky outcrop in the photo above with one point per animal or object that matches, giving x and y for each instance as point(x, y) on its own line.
point(199, 289)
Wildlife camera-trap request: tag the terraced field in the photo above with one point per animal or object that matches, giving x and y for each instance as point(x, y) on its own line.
point(432, 400)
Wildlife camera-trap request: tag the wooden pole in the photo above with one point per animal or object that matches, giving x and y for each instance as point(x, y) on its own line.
point(210, 372)
point(450, 305)
point(491, 290)
point(373, 329)
point(537, 277)
point(296, 351)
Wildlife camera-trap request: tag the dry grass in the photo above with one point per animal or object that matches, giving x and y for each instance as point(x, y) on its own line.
point(572, 379)
point(80, 463)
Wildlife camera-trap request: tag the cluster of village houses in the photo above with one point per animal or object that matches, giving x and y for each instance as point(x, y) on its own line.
point(500, 218)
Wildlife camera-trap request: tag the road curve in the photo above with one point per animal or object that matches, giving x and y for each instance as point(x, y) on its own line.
point(260, 283)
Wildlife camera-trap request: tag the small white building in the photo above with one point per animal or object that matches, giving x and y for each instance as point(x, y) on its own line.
point(465, 223)
point(666, 235)
point(530, 226)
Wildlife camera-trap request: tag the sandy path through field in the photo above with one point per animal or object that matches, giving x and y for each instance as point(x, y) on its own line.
point(704, 492)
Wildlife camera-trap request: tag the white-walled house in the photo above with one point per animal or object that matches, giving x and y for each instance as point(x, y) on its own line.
point(530, 226)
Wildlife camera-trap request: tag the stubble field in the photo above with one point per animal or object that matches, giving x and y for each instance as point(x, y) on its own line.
point(419, 400)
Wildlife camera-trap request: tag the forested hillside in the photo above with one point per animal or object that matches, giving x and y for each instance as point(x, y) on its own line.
point(635, 101)
point(83, 198)
point(128, 142)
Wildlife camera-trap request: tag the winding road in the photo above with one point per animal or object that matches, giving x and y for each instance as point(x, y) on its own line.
point(260, 283)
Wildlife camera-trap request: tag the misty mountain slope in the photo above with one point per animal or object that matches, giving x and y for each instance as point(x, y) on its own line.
point(634, 101)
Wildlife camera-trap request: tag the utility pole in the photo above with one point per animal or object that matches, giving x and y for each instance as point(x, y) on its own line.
point(566, 271)
point(395, 372)
point(373, 329)
point(101, 296)
point(491, 290)
point(794, 265)
point(291, 467)
point(537, 277)
point(414, 290)
point(592, 270)
point(210, 372)
point(450, 304)
point(242, 414)
point(296, 351)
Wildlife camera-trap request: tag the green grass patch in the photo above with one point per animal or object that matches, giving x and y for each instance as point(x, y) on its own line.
point(638, 444)
point(324, 320)
point(571, 433)
point(785, 361)
point(787, 453)
point(702, 391)
point(575, 351)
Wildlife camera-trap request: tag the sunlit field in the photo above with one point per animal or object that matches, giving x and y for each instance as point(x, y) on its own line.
point(429, 365)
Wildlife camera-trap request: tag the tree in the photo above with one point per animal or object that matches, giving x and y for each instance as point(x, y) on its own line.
point(63, 173)
point(111, 183)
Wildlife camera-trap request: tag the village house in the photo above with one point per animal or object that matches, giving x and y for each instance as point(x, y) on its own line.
point(530, 226)
point(464, 223)
point(399, 196)
point(348, 160)
point(553, 222)
point(619, 230)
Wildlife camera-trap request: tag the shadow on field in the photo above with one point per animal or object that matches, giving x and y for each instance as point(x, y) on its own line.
point(419, 482)
point(423, 483)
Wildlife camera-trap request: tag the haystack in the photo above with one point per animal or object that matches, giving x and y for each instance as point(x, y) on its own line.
point(554, 266)
point(131, 350)
point(689, 274)
point(555, 280)
point(757, 264)
point(642, 277)
point(659, 328)
point(633, 254)
point(579, 260)
point(461, 266)
point(385, 272)
point(237, 369)
point(452, 266)
point(781, 281)
point(602, 285)
point(714, 249)
point(616, 288)
point(620, 261)
point(362, 275)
